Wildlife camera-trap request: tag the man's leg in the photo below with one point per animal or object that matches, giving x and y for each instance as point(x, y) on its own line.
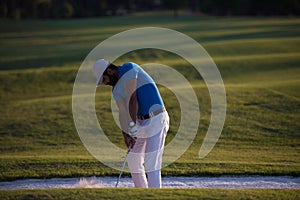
point(154, 179)
point(135, 163)
point(153, 158)
point(139, 180)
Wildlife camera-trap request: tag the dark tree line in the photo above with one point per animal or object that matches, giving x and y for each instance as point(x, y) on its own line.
point(22, 9)
point(251, 7)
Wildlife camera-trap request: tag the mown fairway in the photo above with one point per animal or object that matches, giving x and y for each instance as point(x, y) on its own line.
point(106, 193)
point(259, 60)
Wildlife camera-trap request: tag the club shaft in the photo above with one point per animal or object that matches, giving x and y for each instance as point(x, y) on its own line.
point(123, 166)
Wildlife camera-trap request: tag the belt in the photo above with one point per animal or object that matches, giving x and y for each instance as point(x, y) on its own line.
point(152, 114)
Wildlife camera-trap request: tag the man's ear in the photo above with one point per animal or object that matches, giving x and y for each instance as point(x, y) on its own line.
point(109, 71)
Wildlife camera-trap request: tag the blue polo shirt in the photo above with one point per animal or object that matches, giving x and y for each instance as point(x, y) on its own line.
point(148, 95)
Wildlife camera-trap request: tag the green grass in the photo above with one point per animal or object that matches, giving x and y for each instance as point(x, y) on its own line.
point(259, 60)
point(151, 194)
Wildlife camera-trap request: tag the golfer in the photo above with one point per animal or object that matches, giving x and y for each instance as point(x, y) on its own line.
point(143, 118)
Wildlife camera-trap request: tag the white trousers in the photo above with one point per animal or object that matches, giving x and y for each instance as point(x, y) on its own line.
point(146, 155)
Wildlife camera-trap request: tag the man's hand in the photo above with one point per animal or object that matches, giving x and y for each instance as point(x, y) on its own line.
point(133, 129)
point(129, 141)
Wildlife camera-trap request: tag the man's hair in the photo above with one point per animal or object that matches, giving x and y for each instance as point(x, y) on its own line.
point(112, 66)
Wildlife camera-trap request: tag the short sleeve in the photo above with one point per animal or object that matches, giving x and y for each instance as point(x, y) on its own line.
point(127, 73)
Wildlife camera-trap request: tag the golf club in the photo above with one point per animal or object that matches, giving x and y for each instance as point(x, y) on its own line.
point(123, 167)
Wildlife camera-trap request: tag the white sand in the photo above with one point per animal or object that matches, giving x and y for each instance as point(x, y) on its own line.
point(280, 182)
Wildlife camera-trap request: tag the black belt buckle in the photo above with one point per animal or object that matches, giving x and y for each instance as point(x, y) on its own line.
point(152, 114)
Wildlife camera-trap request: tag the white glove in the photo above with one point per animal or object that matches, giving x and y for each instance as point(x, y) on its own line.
point(133, 129)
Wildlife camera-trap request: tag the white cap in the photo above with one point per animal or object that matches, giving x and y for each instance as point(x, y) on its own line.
point(99, 67)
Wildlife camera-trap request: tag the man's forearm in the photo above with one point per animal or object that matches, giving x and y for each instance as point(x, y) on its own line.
point(124, 121)
point(133, 107)
point(131, 101)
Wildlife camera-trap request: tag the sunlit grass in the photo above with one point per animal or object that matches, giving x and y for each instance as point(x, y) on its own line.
point(258, 59)
point(151, 194)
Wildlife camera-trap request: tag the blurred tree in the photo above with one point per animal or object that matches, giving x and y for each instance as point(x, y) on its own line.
point(175, 5)
point(4, 8)
point(63, 9)
point(19, 9)
point(42, 8)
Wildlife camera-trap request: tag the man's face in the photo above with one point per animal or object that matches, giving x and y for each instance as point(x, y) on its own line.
point(110, 77)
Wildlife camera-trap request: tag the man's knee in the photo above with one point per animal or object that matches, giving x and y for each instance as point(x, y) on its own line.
point(153, 161)
point(135, 163)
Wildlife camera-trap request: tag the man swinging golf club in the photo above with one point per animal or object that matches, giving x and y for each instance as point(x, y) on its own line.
point(143, 118)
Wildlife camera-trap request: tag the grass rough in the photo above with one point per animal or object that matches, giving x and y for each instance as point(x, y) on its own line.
point(258, 59)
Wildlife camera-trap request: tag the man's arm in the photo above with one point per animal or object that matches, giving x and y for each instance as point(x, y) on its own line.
point(128, 109)
point(132, 102)
point(124, 123)
point(122, 115)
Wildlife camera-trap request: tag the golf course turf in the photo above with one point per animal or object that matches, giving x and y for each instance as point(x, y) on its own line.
point(258, 58)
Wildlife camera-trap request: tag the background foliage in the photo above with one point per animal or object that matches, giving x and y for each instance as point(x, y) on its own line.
point(54, 9)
